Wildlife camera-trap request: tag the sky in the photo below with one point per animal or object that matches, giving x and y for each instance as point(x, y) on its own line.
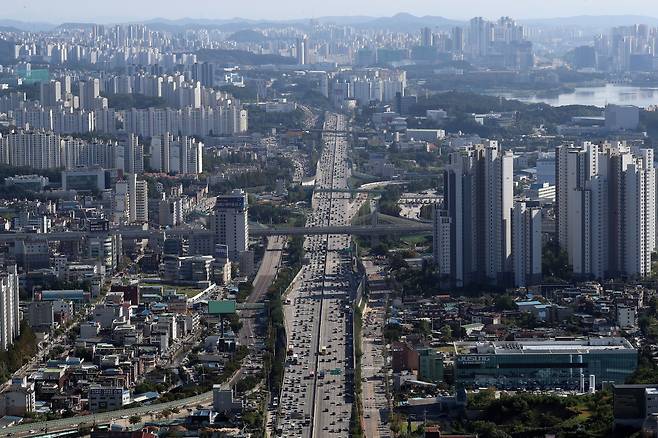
point(106, 11)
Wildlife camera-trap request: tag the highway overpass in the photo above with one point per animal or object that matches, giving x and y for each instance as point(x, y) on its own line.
point(353, 230)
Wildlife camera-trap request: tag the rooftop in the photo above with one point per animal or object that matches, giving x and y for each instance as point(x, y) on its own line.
point(577, 346)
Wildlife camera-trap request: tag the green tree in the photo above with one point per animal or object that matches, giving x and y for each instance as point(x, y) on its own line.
point(446, 333)
point(555, 262)
point(504, 302)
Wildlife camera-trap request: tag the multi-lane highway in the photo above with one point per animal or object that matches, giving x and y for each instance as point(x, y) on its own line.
point(266, 274)
point(317, 395)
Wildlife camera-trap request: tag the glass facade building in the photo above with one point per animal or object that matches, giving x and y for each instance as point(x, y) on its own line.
point(430, 365)
point(543, 364)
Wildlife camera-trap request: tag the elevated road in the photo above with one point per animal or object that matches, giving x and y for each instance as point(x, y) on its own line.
point(374, 191)
point(89, 420)
point(352, 230)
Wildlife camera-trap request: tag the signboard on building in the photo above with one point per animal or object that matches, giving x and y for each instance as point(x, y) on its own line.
point(222, 307)
point(473, 359)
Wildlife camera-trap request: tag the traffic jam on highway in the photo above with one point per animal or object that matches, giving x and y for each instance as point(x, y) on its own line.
point(317, 396)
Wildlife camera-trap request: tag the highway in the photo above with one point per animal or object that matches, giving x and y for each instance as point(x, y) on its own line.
point(264, 278)
point(317, 395)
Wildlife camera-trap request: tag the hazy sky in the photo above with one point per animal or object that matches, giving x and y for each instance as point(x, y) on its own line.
point(119, 10)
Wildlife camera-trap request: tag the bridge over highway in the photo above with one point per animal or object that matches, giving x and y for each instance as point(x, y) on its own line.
point(354, 230)
point(376, 191)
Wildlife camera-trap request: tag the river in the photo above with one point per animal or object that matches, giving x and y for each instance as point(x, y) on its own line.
point(595, 96)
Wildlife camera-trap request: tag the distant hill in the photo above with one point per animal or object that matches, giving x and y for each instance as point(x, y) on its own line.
point(23, 26)
point(400, 22)
point(241, 57)
point(409, 22)
point(70, 26)
point(247, 36)
point(593, 21)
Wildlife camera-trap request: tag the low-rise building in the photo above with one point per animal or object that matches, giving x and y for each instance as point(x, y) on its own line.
point(223, 400)
point(19, 399)
point(103, 398)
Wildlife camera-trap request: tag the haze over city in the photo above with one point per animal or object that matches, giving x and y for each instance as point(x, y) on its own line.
point(126, 10)
point(345, 219)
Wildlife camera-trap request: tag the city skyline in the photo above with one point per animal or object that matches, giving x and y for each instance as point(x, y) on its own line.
point(313, 219)
point(46, 11)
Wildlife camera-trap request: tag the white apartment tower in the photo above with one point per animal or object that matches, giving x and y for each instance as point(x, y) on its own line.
point(10, 324)
point(37, 149)
point(182, 155)
point(130, 157)
point(141, 202)
point(441, 246)
point(130, 202)
point(606, 209)
point(478, 198)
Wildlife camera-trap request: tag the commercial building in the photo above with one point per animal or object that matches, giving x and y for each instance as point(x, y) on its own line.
point(621, 117)
point(75, 295)
point(430, 365)
point(102, 398)
point(9, 314)
point(41, 316)
point(632, 404)
point(84, 179)
point(106, 249)
point(170, 212)
point(224, 401)
point(546, 363)
point(33, 183)
point(230, 224)
point(188, 268)
point(546, 168)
